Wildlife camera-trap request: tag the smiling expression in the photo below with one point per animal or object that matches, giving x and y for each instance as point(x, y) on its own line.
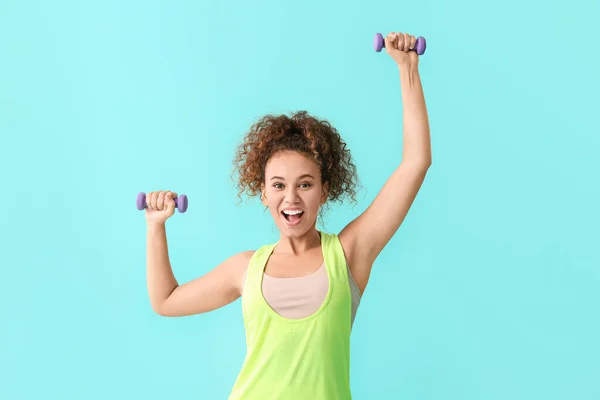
point(293, 192)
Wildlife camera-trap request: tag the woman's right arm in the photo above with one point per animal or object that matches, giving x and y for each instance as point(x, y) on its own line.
point(217, 288)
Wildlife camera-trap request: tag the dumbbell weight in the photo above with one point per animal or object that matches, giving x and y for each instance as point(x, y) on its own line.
point(379, 43)
point(181, 202)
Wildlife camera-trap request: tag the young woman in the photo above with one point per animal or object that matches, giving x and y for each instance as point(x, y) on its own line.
point(300, 294)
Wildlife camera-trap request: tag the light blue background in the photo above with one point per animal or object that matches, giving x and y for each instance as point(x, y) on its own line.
point(488, 291)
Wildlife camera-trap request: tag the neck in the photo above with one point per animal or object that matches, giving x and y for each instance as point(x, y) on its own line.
point(296, 246)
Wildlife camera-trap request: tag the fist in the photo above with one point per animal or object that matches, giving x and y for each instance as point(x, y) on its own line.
point(399, 45)
point(160, 206)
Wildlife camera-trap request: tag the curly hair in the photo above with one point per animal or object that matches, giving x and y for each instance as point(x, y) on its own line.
point(315, 138)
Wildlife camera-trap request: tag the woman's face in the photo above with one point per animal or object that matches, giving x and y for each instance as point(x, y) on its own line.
point(293, 192)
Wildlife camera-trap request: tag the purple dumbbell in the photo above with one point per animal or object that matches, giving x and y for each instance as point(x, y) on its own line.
point(181, 202)
point(379, 44)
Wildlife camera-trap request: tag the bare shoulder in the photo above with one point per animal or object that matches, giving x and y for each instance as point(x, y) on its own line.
point(238, 265)
point(231, 271)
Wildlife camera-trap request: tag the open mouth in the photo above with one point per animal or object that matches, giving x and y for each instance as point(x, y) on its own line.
point(293, 219)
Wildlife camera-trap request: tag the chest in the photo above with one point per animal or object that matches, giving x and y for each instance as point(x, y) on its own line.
point(279, 266)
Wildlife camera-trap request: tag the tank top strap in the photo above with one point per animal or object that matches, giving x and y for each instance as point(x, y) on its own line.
point(334, 256)
point(254, 273)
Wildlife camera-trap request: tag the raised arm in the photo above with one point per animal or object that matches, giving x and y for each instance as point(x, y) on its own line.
point(215, 289)
point(366, 236)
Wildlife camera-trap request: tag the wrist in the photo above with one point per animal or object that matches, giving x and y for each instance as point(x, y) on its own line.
point(408, 68)
point(409, 75)
point(153, 226)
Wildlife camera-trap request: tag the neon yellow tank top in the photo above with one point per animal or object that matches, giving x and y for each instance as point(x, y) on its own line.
point(297, 359)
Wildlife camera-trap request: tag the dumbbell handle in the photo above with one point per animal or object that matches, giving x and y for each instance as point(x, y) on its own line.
point(420, 44)
point(181, 202)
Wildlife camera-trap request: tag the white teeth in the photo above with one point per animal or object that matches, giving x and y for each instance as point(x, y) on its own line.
point(292, 212)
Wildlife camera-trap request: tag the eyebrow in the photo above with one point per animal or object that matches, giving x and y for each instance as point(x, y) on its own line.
point(303, 176)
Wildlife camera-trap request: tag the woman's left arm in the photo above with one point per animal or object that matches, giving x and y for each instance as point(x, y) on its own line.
point(366, 236)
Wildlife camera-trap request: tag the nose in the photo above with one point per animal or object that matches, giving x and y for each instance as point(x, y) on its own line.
point(291, 195)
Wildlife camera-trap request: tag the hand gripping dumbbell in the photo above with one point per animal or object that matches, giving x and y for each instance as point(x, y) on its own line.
point(379, 44)
point(181, 202)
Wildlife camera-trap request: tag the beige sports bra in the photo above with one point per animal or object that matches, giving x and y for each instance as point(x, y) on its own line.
point(302, 296)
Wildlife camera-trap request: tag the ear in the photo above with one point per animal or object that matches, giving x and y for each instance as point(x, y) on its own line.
point(263, 197)
point(325, 193)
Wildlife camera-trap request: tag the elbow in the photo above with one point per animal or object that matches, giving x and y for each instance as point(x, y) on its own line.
point(158, 311)
point(422, 165)
point(427, 163)
point(427, 160)
point(159, 308)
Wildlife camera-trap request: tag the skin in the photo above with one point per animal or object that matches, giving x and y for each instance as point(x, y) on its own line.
point(286, 186)
point(293, 181)
point(298, 251)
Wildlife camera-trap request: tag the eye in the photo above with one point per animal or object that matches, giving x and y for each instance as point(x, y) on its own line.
point(279, 185)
